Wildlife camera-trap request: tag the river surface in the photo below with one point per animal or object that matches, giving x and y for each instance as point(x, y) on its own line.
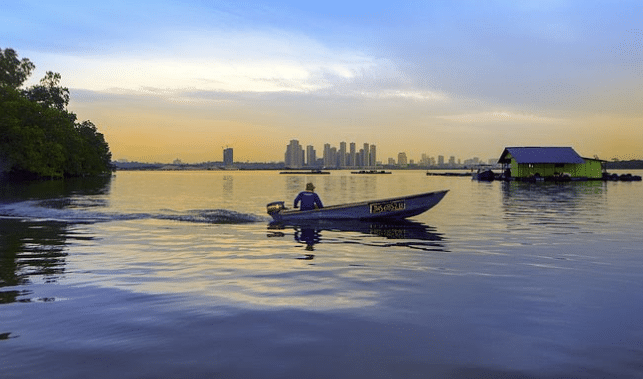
point(182, 275)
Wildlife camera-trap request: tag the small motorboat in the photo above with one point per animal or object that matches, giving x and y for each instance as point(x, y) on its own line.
point(392, 208)
point(484, 176)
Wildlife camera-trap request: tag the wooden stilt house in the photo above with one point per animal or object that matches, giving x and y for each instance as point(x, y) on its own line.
point(549, 163)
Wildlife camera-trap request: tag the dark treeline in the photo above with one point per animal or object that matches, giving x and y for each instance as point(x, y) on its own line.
point(625, 165)
point(39, 137)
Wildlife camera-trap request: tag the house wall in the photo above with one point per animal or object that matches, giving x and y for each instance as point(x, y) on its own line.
point(590, 169)
point(544, 170)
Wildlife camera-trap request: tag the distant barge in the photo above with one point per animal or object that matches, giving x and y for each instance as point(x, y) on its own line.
point(309, 172)
point(468, 174)
point(371, 172)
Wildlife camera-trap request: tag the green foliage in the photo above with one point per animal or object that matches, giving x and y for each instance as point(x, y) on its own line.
point(39, 138)
point(13, 72)
point(49, 93)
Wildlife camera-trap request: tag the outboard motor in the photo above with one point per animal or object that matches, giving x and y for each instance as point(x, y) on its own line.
point(275, 207)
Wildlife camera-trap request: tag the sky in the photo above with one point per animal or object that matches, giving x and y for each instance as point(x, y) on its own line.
point(164, 79)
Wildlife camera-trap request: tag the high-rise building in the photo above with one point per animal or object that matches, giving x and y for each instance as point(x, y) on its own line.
point(294, 156)
point(440, 160)
point(424, 161)
point(334, 157)
point(228, 158)
point(341, 154)
point(401, 159)
point(353, 155)
point(372, 161)
point(311, 156)
point(366, 155)
point(327, 155)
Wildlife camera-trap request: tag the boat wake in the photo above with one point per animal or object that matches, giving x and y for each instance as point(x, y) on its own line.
point(213, 216)
point(70, 213)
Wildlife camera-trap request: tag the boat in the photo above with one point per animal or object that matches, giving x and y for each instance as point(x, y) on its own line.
point(484, 175)
point(310, 172)
point(428, 173)
point(385, 209)
point(374, 172)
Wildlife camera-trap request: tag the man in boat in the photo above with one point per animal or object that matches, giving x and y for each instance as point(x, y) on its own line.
point(308, 198)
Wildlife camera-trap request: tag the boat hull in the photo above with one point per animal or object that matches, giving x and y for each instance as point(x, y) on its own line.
point(386, 209)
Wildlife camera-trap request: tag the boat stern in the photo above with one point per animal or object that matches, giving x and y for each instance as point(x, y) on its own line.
point(275, 208)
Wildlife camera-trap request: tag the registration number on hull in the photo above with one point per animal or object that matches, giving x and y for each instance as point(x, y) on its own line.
point(388, 206)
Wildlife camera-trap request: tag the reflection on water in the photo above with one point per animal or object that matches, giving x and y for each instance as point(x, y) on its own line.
point(178, 274)
point(52, 189)
point(34, 249)
point(564, 207)
point(308, 236)
point(28, 251)
point(228, 186)
point(411, 234)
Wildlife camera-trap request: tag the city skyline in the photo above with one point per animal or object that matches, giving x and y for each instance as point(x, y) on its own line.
point(332, 157)
point(454, 78)
point(296, 156)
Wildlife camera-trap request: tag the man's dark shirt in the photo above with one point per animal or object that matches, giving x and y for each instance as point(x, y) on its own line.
point(308, 200)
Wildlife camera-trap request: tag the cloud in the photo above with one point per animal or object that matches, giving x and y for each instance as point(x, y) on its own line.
point(197, 67)
point(267, 61)
point(502, 117)
point(415, 95)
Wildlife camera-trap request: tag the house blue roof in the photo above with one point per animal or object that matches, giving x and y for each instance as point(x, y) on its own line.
point(527, 155)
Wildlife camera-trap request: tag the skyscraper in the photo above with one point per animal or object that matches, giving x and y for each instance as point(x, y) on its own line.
point(294, 156)
point(311, 156)
point(353, 155)
point(342, 154)
point(373, 156)
point(333, 157)
point(366, 157)
point(228, 159)
point(330, 156)
point(401, 159)
point(326, 156)
point(424, 161)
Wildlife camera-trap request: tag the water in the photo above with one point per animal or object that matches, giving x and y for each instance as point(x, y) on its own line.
point(181, 275)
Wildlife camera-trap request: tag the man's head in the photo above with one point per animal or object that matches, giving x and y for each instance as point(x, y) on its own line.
point(310, 187)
